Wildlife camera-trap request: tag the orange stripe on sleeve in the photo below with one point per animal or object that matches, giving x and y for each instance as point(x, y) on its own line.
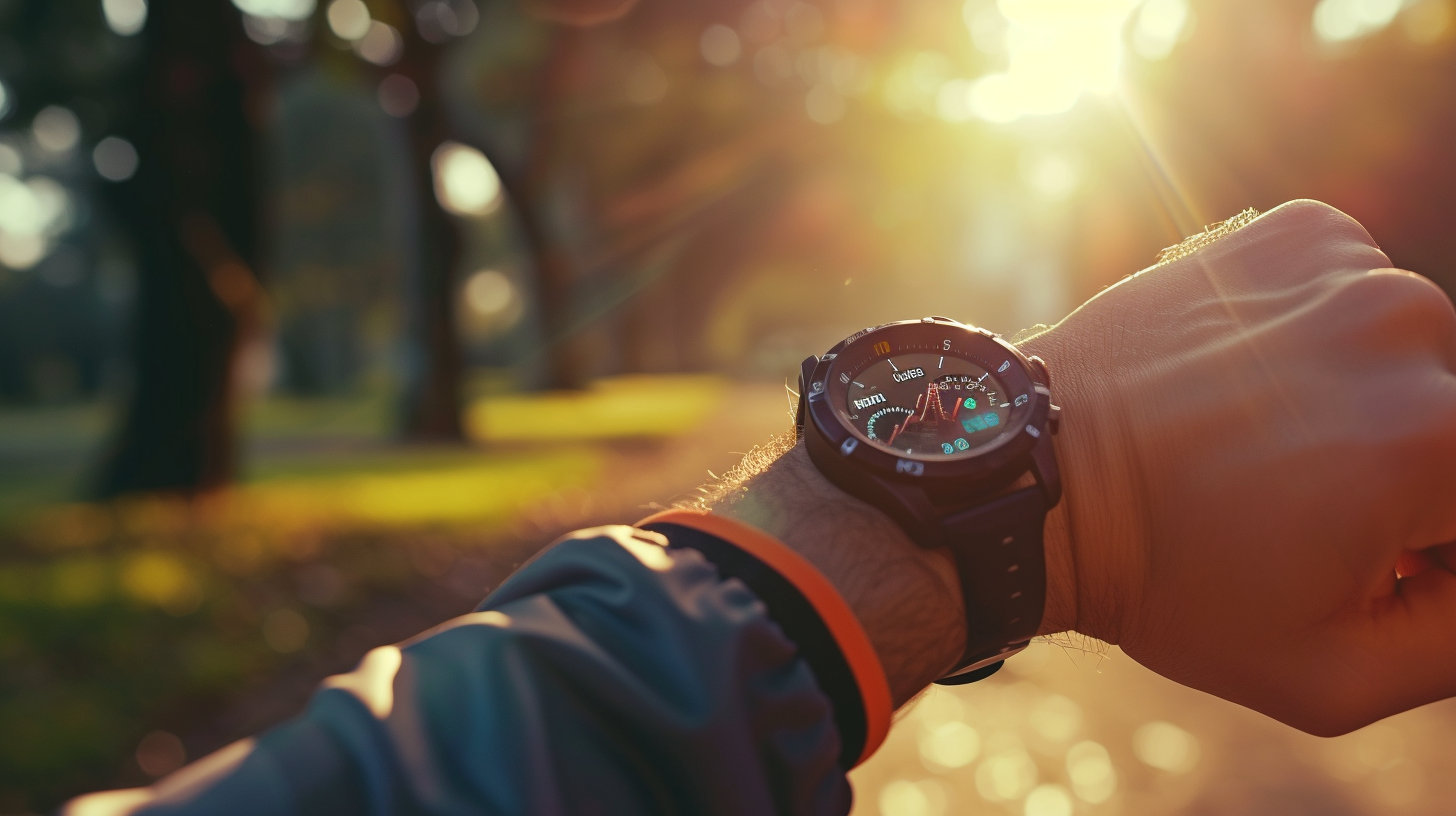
point(864, 663)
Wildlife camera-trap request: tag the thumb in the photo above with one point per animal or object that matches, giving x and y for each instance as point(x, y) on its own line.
point(1416, 642)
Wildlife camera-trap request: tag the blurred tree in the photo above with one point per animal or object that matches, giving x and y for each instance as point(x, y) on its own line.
point(432, 400)
point(433, 395)
point(57, 64)
point(192, 212)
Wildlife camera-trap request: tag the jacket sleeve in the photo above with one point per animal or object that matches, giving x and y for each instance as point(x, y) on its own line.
point(618, 672)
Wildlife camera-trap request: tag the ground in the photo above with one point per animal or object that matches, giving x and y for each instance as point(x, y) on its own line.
point(141, 632)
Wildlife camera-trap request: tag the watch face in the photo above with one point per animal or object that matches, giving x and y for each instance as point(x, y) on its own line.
point(927, 404)
point(930, 401)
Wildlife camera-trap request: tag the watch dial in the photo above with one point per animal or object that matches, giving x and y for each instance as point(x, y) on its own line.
point(927, 404)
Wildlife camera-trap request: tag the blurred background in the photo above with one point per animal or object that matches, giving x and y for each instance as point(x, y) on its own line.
point(318, 317)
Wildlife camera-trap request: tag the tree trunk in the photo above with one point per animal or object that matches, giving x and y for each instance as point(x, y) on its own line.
point(433, 393)
point(192, 213)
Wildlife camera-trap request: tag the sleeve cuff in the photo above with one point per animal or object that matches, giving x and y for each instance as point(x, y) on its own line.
point(809, 610)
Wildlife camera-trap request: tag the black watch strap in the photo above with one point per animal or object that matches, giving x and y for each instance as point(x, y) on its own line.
point(997, 547)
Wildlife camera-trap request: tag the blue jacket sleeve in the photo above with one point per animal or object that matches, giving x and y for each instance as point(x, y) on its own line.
point(610, 675)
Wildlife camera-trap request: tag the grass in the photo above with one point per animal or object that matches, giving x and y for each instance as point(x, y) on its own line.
point(156, 613)
point(641, 406)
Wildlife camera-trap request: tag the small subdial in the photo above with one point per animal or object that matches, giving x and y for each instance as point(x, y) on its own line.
point(970, 392)
point(886, 419)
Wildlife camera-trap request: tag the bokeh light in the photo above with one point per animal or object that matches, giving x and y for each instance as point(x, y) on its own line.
point(950, 745)
point(719, 45)
point(31, 213)
point(1056, 717)
point(1341, 20)
point(905, 798)
point(1006, 775)
point(11, 163)
point(275, 30)
point(645, 82)
point(349, 19)
point(1160, 25)
point(115, 158)
point(1090, 769)
point(279, 9)
point(1166, 747)
point(21, 251)
point(489, 292)
point(1426, 22)
point(125, 17)
point(56, 129)
point(160, 753)
point(465, 182)
point(1048, 800)
point(439, 20)
point(381, 44)
point(398, 95)
point(824, 105)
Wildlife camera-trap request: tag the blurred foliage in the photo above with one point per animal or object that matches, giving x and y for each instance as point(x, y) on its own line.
point(637, 406)
point(153, 613)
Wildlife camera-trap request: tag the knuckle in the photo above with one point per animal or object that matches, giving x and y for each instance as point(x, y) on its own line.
point(1317, 218)
point(1312, 214)
point(1304, 241)
point(1400, 300)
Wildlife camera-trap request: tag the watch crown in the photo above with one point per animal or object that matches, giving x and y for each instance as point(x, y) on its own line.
point(1054, 418)
point(1040, 367)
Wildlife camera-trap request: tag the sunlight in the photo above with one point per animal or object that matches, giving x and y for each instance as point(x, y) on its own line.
point(1057, 51)
point(1340, 20)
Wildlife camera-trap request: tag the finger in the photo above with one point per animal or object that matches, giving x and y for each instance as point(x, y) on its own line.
point(1412, 562)
point(1443, 556)
point(1298, 241)
point(1423, 313)
point(1410, 651)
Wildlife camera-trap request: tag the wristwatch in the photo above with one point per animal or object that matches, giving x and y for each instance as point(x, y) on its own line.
point(938, 424)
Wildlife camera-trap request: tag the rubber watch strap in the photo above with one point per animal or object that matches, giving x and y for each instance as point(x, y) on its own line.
point(997, 547)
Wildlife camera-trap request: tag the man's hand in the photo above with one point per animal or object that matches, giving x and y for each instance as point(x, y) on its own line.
point(1255, 437)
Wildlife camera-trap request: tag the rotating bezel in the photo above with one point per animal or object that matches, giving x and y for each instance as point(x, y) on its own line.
point(827, 394)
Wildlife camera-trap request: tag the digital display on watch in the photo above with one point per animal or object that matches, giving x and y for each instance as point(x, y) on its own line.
point(927, 405)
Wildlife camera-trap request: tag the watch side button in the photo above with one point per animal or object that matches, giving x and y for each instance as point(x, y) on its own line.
point(1054, 418)
point(1040, 367)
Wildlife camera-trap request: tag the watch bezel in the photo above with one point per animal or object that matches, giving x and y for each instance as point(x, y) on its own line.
point(826, 395)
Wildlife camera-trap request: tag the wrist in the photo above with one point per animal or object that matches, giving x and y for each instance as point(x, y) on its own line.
point(907, 597)
point(1079, 562)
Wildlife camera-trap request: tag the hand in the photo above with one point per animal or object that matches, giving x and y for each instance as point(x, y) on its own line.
point(1255, 437)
